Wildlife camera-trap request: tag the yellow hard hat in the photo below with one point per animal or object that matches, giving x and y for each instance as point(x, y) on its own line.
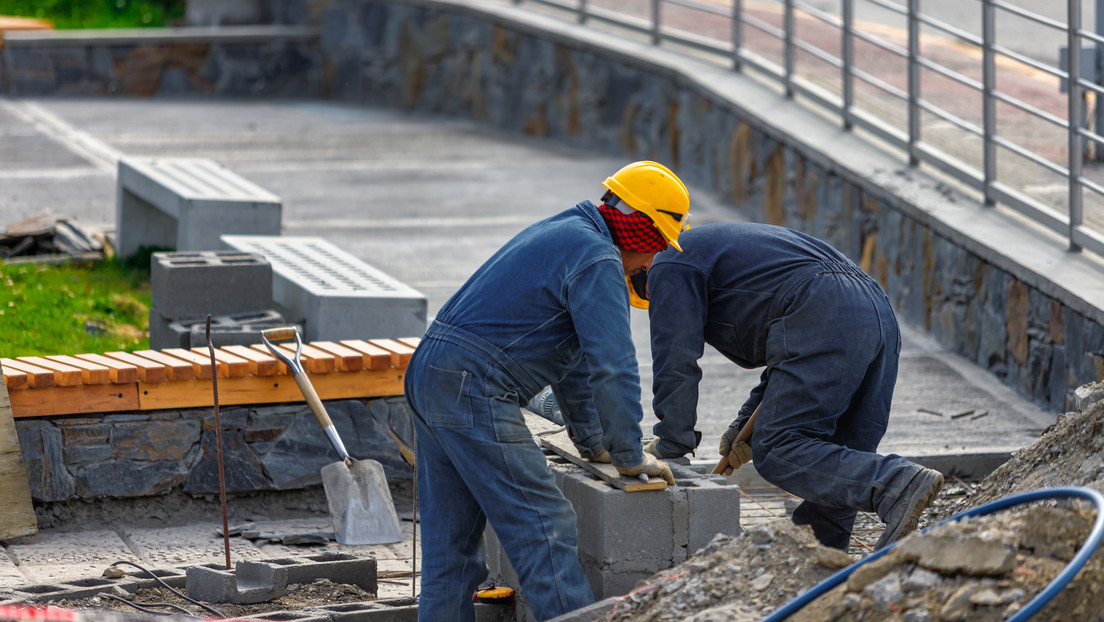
point(652, 188)
point(638, 289)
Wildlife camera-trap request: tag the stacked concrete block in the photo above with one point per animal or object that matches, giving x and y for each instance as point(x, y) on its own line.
point(333, 294)
point(235, 288)
point(186, 204)
point(625, 537)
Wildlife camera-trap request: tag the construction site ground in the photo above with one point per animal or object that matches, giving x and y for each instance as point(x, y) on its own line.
point(426, 200)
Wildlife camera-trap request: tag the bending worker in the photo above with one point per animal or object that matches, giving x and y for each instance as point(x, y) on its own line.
point(824, 332)
point(551, 301)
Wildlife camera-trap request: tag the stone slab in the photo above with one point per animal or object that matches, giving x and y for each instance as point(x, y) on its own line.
point(70, 555)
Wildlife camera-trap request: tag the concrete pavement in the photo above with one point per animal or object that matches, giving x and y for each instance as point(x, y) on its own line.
point(426, 200)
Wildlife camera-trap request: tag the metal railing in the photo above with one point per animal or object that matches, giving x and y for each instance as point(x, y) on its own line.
point(1029, 173)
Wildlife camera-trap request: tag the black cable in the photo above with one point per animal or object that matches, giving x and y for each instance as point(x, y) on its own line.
point(203, 606)
point(151, 611)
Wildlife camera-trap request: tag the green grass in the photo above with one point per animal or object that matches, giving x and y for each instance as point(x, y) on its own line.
point(73, 309)
point(75, 14)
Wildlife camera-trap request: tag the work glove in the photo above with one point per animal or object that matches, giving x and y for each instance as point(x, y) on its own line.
point(738, 453)
point(650, 448)
point(652, 467)
point(602, 456)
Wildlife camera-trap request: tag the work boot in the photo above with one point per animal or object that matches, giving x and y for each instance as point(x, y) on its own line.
point(904, 515)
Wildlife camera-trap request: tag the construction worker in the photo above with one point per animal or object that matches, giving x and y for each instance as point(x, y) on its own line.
point(824, 332)
point(551, 302)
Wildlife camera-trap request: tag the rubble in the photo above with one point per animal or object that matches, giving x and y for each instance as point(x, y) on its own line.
point(44, 236)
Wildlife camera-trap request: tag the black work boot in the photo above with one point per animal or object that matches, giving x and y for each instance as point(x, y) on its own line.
point(903, 517)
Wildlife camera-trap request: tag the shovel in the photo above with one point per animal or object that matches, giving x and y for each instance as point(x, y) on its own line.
point(356, 490)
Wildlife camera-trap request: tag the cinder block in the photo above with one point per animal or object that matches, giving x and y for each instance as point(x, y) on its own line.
point(237, 329)
point(186, 285)
point(712, 507)
point(249, 582)
point(333, 294)
point(337, 567)
point(186, 204)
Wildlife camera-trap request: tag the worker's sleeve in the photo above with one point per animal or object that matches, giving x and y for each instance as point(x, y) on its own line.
point(576, 403)
point(753, 400)
point(598, 301)
point(677, 311)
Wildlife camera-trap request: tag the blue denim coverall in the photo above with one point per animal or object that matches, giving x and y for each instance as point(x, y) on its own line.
point(549, 303)
point(767, 296)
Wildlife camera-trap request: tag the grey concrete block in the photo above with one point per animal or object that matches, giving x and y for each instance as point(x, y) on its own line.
point(249, 582)
point(711, 508)
point(186, 204)
point(337, 567)
point(333, 294)
point(239, 329)
point(632, 530)
point(186, 285)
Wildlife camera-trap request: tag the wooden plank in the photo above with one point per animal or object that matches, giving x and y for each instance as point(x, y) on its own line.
point(118, 371)
point(260, 363)
point(37, 377)
point(347, 358)
point(17, 517)
point(64, 375)
point(14, 379)
point(79, 399)
point(92, 373)
point(413, 342)
point(201, 363)
point(146, 370)
point(176, 369)
point(375, 357)
point(560, 443)
point(229, 365)
point(314, 360)
point(270, 390)
point(263, 349)
point(400, 353)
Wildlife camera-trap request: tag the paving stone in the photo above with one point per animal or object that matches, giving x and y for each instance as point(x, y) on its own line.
point(71, 555)
point(187, 545)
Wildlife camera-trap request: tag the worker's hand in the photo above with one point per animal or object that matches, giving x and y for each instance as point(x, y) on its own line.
point(729, 437)
point(650, 448)
point(652, 467)
point(738, 457)
point(602, 456)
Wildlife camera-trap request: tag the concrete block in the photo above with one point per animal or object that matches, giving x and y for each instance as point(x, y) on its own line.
point(186, 204)
point(337, 567)
point(333, 294)
point(237, 329)
point(249, 582)
point(186, 285)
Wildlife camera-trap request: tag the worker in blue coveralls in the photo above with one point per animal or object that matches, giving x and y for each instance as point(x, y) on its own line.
point(824, 332)
point(552, 301)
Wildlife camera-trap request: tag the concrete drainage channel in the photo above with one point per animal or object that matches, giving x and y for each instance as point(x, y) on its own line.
point(261, 581)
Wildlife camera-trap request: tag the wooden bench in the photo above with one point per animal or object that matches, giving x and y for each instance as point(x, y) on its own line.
point(186, 203)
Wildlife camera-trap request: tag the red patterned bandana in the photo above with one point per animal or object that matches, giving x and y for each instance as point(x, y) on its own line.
point(633, 232)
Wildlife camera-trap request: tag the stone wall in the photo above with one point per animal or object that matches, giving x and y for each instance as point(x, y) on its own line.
point(145, 453)
point(530, 75)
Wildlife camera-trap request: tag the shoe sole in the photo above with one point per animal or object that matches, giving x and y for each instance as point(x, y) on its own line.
point(919, 503)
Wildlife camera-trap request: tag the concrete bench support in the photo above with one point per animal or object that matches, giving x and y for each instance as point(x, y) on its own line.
point(186, 204)
point(331, 293)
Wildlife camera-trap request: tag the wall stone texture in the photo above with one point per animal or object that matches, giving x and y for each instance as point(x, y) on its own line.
point(271, 447)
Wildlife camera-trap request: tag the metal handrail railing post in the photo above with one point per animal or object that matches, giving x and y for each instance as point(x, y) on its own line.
point(847, 56)
point(914, 81)
point(656, 36)
point(988, 101)
point(737, 34)
point(582, 17)
point(1075, 145)
point(788, 47)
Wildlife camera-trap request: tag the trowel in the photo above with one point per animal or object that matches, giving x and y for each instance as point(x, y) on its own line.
point(356, 490)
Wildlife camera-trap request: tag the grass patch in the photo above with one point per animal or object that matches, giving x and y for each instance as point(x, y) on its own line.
point(76, 14)
point(73, 308)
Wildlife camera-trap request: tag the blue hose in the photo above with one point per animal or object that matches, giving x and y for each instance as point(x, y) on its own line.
point(1057, 585)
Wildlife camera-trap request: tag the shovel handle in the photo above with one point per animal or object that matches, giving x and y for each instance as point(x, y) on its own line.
point(742, 437)
point(319, 410)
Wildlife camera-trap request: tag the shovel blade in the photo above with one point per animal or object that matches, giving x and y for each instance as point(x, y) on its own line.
point(360, 503)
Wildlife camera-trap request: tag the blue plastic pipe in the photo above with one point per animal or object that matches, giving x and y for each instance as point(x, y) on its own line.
point(1057, 585)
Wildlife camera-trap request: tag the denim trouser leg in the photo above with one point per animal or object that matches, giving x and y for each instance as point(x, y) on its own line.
point(826, 405)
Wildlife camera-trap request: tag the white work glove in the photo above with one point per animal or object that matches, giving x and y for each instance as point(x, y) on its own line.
point(652, 467)
point(738, 453)
point(602, 456)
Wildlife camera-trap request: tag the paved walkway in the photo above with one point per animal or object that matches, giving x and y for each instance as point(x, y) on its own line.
point(427, 201)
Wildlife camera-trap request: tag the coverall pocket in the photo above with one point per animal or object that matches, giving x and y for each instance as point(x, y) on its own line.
point(448, 402)
point(569, 350)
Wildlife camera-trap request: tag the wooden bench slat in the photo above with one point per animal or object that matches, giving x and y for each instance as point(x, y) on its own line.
point(92, 373)
point(400, 353)
point(14, 378)
point(413, 342)
point(314, 360)
point(347, 358)
point(36, 376)
point(263, 349)
point(148, 370)
point(176, 368)
point(230, 365)
point(120, 372)
point(375, 357)
point(64, 375)
point(200, 366)
point(260, 363)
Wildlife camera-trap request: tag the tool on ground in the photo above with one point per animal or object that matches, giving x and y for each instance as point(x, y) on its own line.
point(356, 490)
point(742, 437)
